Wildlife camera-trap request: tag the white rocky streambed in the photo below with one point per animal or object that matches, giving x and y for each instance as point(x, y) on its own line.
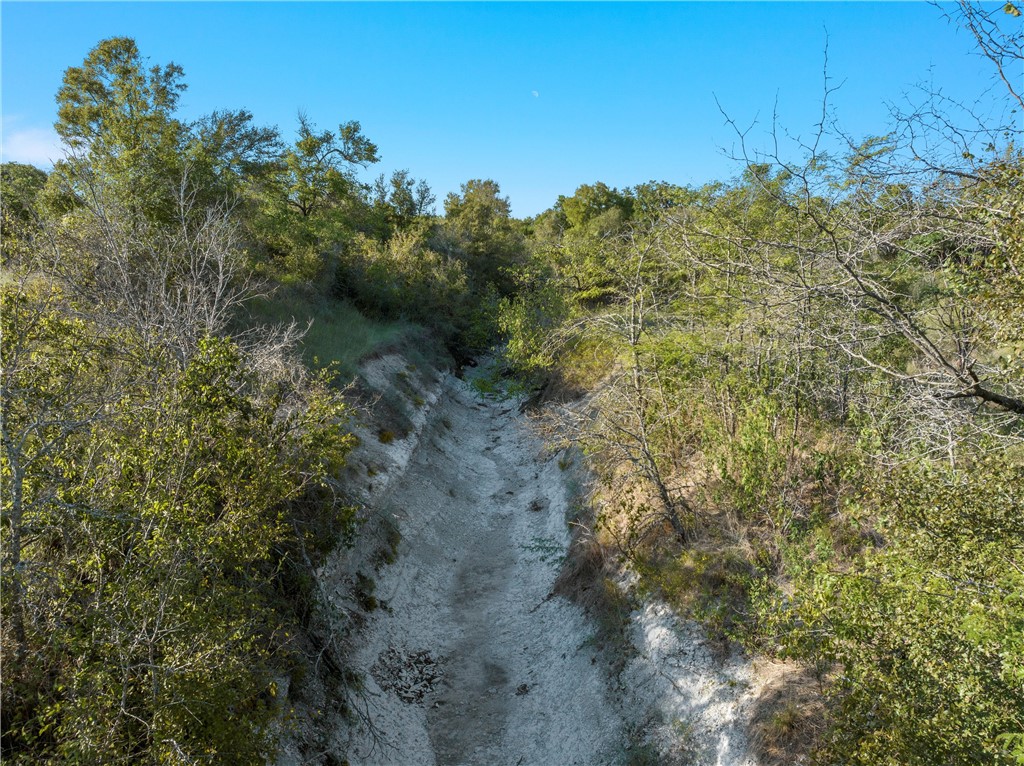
point(472, 660)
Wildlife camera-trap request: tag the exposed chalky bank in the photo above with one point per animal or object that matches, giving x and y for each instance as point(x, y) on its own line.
point(475, 663)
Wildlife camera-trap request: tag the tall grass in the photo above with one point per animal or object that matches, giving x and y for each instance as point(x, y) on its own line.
point(339, 333)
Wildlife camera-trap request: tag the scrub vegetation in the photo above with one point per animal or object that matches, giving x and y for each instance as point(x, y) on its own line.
point(183, 305)
point(801, 392)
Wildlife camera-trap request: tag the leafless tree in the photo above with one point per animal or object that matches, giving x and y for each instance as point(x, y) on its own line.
point(997, 37)
point(888, 239)
point(171, 282)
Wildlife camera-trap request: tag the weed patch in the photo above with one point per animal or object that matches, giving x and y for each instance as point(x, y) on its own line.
point(339, 334)
point(788, 717)
point(712, 586)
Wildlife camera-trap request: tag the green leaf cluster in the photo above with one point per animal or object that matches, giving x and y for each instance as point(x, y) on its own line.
point(146, 516)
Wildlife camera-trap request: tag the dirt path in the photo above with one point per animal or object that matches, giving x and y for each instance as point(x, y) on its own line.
point(471, 661)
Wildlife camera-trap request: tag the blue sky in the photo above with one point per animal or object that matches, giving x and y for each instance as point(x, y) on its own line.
point(541, 97)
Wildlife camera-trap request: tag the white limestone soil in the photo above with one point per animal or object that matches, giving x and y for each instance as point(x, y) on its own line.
point(696, 708)
point(471, 660)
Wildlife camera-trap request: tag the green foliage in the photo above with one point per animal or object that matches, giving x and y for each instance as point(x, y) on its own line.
point(316, 171)
point(400, 200)
point(112, 101)
point(20, 189)
point(598, 208)
point(20, 185)
point(928, 628)
point(404, 277)
point(776, 367)
point(527, 321)
point(786, 365)
point(308, 207)
point(116, 116)
point(168, 490)
point(654, 199)
point(993, 280)
point(707, 585)
point(339, 336)
point(479, 223)
point(230, 157)
point(143, 523)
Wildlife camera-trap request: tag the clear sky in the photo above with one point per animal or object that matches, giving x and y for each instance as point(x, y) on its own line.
point(541, 97)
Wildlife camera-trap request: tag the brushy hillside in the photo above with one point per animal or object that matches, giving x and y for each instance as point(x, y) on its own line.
point(803, 391)
point(183, 306)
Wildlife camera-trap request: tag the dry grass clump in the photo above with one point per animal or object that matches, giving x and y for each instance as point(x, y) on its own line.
point(788, 715)
point(586, 578)
point(584, 566)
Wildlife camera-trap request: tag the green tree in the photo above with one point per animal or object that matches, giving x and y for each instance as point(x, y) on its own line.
point(20, 221)
point(314, 202)
point(117, 119)
point(318, 169)
point(147, 502)
point(928, 628)
point(598, 206)
point(229, 156)
point(20, 185)
point(405, 278)
point(400, 200)
point(479, 223)
point(654, 199)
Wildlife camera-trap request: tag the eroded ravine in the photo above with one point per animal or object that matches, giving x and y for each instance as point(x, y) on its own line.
point(470, 713)
point(472, 662)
